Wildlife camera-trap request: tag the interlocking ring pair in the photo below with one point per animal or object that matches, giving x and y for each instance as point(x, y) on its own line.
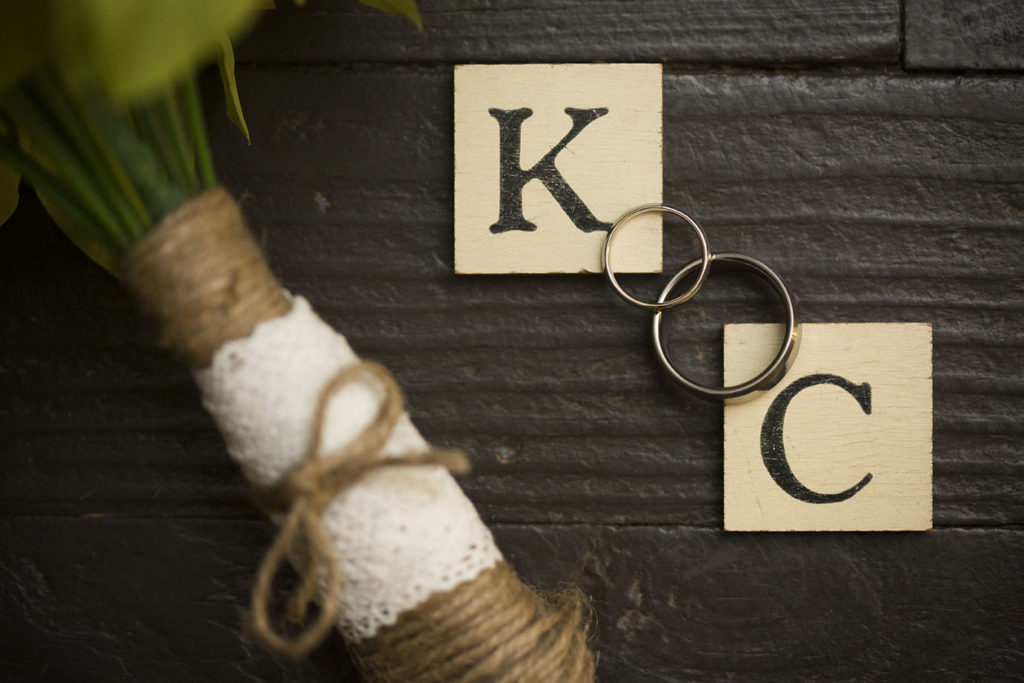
point(736, 393)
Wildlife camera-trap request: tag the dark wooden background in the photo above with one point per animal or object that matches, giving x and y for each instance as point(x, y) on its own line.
point(871, 150)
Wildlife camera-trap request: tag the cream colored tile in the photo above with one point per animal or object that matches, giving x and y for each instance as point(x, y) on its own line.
point(613, 163)
point(829, 442)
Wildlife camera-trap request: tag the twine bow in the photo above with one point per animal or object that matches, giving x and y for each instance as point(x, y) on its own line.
point(308, 489)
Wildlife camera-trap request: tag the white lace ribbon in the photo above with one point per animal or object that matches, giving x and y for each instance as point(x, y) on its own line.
point(401, 535)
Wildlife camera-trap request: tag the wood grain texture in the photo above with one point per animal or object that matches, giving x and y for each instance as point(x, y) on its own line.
point(878, 196)
point(952, 35)
point(843, 442)
point(111, 600)
point(741, 32)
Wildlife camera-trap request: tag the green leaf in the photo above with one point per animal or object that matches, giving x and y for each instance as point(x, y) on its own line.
point(137, 48)
point(226, 62)
point(24, 39)
point(95, 249)
point(9, 179)
point(60, 201)
point(404, 7)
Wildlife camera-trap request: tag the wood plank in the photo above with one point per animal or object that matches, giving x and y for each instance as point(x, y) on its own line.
point(707, 31)
point(878, 198)
point(130, 546)
point(617, 366)
point(515, 479)
point(952, 35)
point(641, 397)
point(711, 121)
point(108, 600)
point(113, 599)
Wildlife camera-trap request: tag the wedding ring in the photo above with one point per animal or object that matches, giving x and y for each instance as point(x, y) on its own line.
point(768, 377)
point(704, 261)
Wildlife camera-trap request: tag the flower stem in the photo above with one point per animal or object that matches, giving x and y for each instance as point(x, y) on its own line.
point(164, 148)
point(142, 151)
point(50, 143)
point(63, 195)
point(93, 113)
point(51, 99)
point(147, 130)
point(170, 119)
point(204, 159)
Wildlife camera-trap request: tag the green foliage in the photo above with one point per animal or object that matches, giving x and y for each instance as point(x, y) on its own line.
point(130, 49)
point(99, 109)
point(105, 175)
point(226, 62)
point(138, 48)
point(97, 250)
point(25, 38)
point(405, 7)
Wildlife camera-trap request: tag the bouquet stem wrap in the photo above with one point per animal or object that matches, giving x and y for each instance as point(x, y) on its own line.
point(381, 535)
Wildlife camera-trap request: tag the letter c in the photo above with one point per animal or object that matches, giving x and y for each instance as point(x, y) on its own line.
point(774, 453)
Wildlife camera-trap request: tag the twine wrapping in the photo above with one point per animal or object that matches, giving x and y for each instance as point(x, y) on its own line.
point(200, 275)
point(493, 628)
point(310, 488)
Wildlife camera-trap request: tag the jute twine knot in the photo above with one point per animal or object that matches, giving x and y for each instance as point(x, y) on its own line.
point(203, 278)
point(305, 493)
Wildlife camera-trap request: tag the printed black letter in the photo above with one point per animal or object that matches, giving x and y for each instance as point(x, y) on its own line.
point(513, 177)
point(774, 453)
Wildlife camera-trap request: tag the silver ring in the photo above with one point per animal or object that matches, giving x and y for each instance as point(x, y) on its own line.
point(772, 374)
point(661, 305)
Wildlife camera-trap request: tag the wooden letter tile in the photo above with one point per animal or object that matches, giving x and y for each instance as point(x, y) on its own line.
point(547, 156)
point(843, 442)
